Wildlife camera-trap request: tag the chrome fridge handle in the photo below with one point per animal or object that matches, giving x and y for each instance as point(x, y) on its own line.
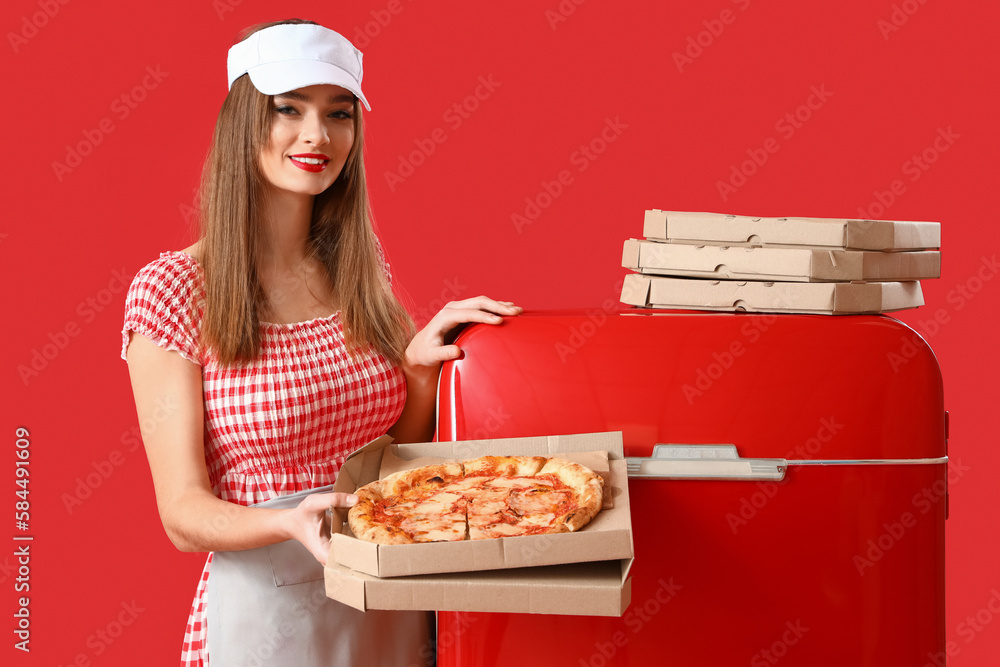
point(703, 462)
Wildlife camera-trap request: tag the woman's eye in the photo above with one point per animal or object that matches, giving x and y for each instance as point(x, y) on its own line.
point(284, 109)
point(342, 114)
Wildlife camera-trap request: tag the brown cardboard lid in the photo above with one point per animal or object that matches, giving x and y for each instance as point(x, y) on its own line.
point(776, 297)
point(589, 589)
point(789, 264)
point(842, 233)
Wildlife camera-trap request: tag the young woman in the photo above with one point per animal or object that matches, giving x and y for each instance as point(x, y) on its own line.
point(266, 353)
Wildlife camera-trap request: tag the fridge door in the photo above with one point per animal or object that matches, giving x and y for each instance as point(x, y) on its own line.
point(837, 558)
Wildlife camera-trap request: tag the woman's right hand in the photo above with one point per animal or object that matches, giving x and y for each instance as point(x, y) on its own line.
point(193, 517)
point(309, 524)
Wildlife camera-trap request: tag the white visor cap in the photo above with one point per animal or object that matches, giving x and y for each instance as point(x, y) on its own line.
point(289, 56)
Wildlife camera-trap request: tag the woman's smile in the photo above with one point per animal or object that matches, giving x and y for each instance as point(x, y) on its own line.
point(310, 161)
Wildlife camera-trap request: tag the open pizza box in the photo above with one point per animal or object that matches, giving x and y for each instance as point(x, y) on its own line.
point(830, 233)
point(769, 297)
point(583, 572)
point(788, 264)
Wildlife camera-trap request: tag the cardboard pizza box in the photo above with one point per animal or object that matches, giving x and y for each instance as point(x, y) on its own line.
point(832, 233)
point(782, 264)
point(769, 297)
point(599, 587)
point(608, 537)
point(580, 589)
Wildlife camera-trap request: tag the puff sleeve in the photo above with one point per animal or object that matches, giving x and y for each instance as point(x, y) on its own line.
point(163, 304)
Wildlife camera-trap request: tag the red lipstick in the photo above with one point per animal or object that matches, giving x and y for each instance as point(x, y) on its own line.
point(311, 156)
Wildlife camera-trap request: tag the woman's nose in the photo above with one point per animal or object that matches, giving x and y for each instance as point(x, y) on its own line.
point(314, 130)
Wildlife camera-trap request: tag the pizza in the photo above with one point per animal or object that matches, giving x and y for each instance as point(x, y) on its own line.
point(488, 497)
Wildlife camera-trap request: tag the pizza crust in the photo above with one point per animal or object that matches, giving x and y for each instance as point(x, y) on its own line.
point(505, 466)
point(419, 479)
point(406, 490)
point(361, 519)
point(588, 486)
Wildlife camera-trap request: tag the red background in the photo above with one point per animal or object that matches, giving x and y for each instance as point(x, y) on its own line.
point(448, 228)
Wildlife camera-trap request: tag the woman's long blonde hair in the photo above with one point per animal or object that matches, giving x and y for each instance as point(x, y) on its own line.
point(341, 237)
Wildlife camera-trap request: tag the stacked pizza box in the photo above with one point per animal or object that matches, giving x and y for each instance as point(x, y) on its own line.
point(714, 261)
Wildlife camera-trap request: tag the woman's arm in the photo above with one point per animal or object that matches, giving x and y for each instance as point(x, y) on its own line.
point(423, 361)
point(170, 406)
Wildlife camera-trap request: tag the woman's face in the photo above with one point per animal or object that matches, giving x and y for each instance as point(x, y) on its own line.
point(312, 131)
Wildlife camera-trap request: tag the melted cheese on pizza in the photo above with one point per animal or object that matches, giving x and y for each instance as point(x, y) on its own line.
point(478, 507)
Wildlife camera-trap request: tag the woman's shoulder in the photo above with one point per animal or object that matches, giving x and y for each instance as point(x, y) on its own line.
point(164, 304)
point(173, 272)
point(174, 281)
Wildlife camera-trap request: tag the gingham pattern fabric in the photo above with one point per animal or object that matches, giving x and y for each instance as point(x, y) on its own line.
point(280, 424)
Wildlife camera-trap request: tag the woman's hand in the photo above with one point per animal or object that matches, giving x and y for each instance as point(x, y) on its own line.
point(425, 353)
point(307, 523)
point(429, 347)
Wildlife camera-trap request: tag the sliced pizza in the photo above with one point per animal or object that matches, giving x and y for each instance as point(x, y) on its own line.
point(488, 497)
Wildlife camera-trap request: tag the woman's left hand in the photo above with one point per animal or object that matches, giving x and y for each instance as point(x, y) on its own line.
point(423, 360)
point(429, 348)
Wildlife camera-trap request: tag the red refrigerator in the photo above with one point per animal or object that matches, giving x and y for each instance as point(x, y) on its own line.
point(788, 477)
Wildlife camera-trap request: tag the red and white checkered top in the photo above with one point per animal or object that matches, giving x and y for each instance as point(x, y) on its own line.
point(282, 423)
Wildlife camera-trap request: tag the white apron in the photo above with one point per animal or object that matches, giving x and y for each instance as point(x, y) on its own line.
point(268, 606)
